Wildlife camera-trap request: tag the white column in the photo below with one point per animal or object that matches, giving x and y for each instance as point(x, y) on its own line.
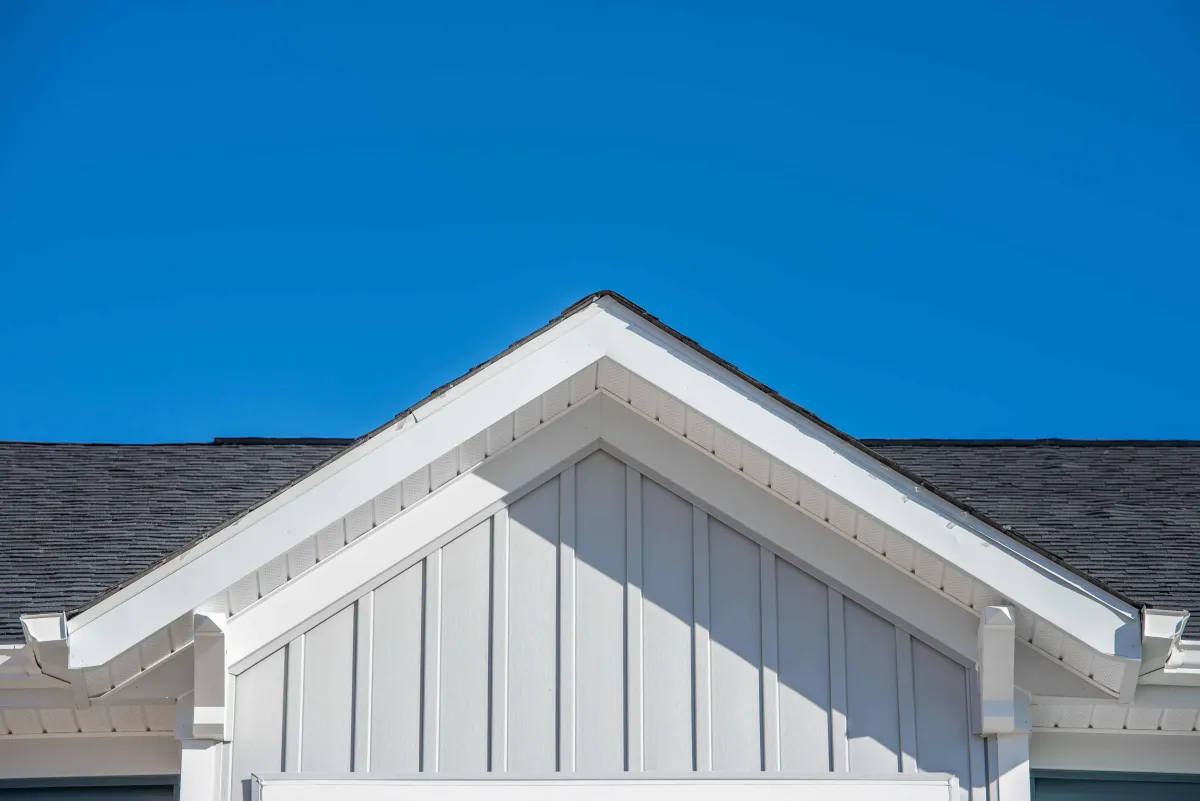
point(211, 677)
point(1012, 767)
point(997, 644)
point(200, 758)
point(199, 770)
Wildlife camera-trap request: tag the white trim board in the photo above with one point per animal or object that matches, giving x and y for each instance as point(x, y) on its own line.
point(759, 787)
point(635, 354)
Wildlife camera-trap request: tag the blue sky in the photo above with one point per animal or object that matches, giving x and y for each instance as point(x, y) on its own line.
point(931, 219)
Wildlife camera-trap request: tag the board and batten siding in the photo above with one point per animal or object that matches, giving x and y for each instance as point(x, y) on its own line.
point(600, 624)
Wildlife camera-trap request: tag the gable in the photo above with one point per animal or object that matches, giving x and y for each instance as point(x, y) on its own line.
point(601, 622)
point(604, 377)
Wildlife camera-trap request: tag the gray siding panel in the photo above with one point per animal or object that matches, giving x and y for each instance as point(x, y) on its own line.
point(465, 652)
point(667, 628)
point(397, 656)
point(602, 623)
point(532, 735)
point(258, 722)
point(600, 614)
point(803, 670)
point(873, 717)
point(943, 739)
point(326, 731)
point(736, 649)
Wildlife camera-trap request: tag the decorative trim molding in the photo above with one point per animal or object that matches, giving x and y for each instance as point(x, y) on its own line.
point(1115, 718)
point(124, 720)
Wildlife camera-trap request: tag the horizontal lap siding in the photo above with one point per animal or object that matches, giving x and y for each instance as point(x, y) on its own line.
point(671, 612)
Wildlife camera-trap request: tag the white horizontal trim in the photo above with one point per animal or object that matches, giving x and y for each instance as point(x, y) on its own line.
point(776, 787)
point(91, 735)
point(1120, 751)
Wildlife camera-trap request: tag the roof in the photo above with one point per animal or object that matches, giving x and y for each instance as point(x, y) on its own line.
point(77, 519)
point(155, 530)
point(1124, 511)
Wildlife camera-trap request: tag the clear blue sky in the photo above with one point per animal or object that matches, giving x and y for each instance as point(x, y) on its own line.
point(916, 219)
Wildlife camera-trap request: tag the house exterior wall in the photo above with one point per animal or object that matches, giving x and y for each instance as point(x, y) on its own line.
point(601, 624)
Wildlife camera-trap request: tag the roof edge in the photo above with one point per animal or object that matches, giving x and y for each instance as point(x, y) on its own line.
point(569, 311)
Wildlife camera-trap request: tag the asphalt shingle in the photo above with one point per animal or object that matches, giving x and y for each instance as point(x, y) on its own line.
point(76, 520)
point(1125, 512)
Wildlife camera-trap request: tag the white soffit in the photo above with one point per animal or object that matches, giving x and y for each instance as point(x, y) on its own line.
point(607, 345)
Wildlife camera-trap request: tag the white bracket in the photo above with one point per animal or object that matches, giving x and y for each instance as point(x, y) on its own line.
point(47, 636)
point(997, 664)
point(211, 676)
point(1161, 631)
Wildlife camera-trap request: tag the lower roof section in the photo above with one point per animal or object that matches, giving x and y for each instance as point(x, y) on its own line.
point(1123, 511)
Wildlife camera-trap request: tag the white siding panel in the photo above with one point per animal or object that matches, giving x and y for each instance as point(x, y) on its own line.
point(600, 614)
point(803, 670)
point(396, 674)
point(667, 628)
point(532, 710)
point(736, 649)
point(602, 623)
point(873, 719)
point(258, 723)
point(463, 742)
point(328, 695)
point(943, 736)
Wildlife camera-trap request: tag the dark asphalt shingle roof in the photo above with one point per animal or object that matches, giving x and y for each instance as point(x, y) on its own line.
point(76, 520)
point(1126, 512)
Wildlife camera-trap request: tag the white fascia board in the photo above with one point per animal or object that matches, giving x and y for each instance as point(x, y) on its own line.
point(392, 547)
point(1055, 594)
point(604, 328)
point(735, 500)
point(181, 585)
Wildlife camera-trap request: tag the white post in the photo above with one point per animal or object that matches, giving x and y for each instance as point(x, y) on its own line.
point(202, 716)
point(208, 650)
point(199, 770)
point(1012, 768)
point(997, 664)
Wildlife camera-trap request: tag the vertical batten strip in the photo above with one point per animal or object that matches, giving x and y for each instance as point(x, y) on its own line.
point(978, 746)
point(499, 755)
point(700, 641)
point(364, 651)
point(433, 657)
point(840, 746)
point(566, 621)
point(993, 773)
point(293, 705)
point(906, 693)
point(770, 661)
point(635, 707)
